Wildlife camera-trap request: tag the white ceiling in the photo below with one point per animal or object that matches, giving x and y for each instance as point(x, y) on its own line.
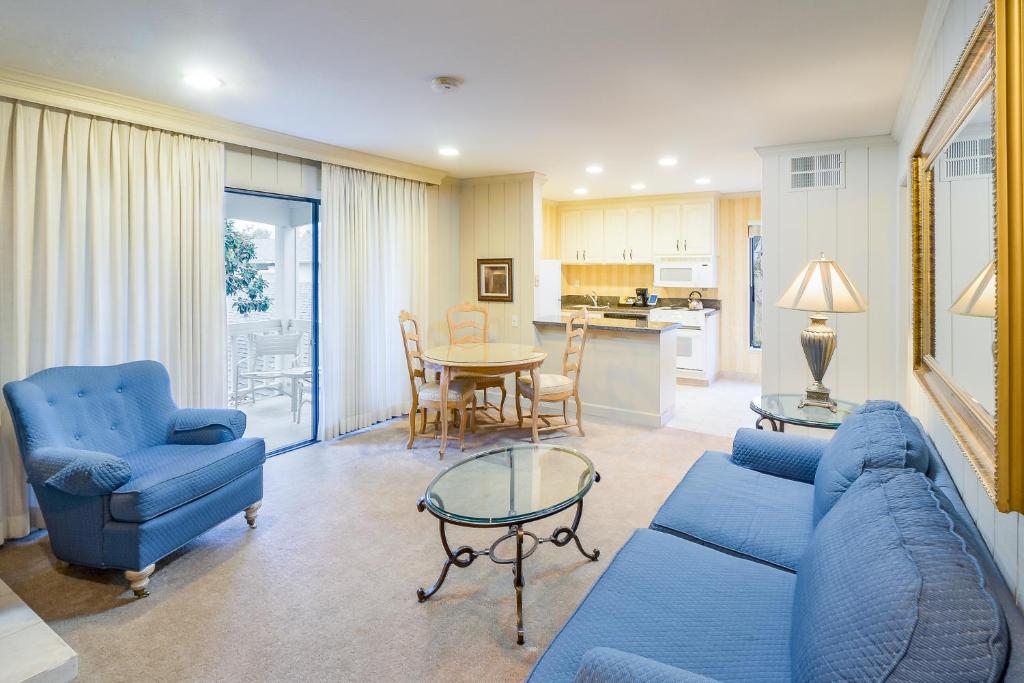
point(550, 85)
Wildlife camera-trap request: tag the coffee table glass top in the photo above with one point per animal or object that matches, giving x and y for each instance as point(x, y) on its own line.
point(489, 353)
point(786, 407)
point(511, 484)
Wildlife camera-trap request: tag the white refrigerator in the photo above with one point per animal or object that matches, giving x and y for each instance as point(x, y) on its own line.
point(547, 288)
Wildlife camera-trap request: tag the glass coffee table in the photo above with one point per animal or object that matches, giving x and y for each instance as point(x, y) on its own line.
point(509, 487)
point(782, 409)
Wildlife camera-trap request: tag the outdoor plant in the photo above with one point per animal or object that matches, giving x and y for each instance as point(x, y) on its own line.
point(245, 284)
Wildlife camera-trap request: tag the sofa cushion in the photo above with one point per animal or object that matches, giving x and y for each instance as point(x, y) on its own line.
point(873, 438)
point(165, 477)
point(919, 453)
point(741, 510)
point(685, 605)
point(888, 591)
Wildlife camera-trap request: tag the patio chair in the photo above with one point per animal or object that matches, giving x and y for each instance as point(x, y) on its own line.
point(282, 348)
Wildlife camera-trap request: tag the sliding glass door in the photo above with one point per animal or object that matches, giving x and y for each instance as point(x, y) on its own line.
point(270, 263)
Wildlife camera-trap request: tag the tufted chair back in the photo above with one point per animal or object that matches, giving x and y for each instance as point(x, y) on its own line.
point(112, 409)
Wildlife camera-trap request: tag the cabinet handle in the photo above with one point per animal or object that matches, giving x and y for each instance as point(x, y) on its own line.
point(677, 245)
point(623, 254)
point(630, 254)
point(584, 254)
point(684, 245)
point(577, 254)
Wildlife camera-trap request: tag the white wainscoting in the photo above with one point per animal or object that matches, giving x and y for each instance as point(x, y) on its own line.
point(857, 226)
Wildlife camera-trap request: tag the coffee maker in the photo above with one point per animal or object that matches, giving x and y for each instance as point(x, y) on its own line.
point(641, 296)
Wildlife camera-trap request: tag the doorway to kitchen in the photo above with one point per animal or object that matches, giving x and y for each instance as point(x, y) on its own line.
point(270, 263)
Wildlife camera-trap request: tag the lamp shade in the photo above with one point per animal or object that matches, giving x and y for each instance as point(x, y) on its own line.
point(822, 286)
point(979, 299)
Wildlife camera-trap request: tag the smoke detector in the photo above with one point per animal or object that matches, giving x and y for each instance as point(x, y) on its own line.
point(445, 83)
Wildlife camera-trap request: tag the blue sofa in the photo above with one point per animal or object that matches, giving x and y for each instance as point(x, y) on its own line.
point(123, 476)
point(801, 559)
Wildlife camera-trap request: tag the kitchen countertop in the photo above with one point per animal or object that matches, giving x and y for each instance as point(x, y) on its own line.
point(640, 325)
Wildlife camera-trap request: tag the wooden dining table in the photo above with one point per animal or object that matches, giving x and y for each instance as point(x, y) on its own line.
point(483, 358)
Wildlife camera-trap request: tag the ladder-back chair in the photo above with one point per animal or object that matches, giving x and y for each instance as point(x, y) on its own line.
point(467, 324)
point(560, 388)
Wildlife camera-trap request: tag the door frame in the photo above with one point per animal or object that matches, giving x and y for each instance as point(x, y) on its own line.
point(314, 342)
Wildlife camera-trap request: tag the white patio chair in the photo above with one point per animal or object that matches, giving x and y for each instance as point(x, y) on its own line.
point(282, 348)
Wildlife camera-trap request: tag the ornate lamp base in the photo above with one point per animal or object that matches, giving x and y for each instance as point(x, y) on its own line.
point(819, 343)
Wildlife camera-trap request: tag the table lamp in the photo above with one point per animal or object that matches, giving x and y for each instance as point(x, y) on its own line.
point(821, 287)
point(979, 299)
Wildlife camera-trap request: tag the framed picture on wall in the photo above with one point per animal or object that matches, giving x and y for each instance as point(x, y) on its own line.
point(494, 279)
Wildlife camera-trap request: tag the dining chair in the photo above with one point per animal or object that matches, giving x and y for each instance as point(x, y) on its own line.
point(280, 348)
point(426, 396)
point(559, 388)
point(467, 324)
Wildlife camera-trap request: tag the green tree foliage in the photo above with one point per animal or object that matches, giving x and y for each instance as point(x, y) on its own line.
point(245, 283)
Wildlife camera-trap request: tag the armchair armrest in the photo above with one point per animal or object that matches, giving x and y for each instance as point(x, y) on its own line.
point(205, 426)
point(78, 472)
point(781, 455)
point(608, 665)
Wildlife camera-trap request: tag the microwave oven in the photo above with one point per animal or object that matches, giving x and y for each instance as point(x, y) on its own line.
point(685, 271)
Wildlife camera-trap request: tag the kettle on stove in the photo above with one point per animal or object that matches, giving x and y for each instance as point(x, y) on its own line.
point(695, 302)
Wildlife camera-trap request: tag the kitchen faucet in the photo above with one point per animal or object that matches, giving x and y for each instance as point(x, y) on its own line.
point(593, 297)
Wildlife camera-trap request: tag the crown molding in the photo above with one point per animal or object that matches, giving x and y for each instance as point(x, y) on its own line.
point(52, 92)
point(931, 27)
point(866, 141)
point(509, 178)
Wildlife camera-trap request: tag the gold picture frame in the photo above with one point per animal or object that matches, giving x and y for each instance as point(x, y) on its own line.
point(991, 62)
point(494, 279)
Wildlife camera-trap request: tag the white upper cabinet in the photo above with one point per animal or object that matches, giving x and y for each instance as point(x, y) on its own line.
point(592, 239)
point(699, 228)
point(616, 236)
point(640, 245)
point(686, 229)
point(572, 228)
point(668, 236)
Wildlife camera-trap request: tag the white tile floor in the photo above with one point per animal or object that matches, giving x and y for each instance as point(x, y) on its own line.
point(719, 409)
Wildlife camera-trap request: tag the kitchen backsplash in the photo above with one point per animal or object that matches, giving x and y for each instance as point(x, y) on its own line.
point(605, 300)
point(620, 280)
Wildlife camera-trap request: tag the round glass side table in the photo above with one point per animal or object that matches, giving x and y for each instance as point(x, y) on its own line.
point(782, 409)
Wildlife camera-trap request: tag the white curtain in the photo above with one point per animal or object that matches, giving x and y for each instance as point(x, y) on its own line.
point(111, 249)
point(372, 265)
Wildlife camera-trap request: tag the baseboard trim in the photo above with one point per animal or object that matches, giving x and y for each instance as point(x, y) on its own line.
point(633, 417)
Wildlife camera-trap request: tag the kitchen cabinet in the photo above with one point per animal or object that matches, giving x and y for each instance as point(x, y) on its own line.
point(640, 237)
point(686, 229)
point(592, 236)
point(698, 229)
point(572, 227)
point(668, 237)
point(616, 235)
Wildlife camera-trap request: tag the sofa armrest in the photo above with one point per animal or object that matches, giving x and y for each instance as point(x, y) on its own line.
point(205, 426)
point(781, 455)
point(78, 472)
point(608, 665)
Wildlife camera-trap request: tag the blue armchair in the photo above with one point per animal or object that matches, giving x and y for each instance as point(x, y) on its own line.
point(123, 476)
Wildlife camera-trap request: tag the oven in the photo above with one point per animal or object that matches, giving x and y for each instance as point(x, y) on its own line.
point(690, 348)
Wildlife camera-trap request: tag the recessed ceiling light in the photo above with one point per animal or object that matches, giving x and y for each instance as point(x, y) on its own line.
point(668, 161)
point(638, 186)
point(448, 151)
point(202, 80)
point(580, 190)
point(703, 181)
point(594, 169)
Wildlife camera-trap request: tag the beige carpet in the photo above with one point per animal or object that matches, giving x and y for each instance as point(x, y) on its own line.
point(324, 589)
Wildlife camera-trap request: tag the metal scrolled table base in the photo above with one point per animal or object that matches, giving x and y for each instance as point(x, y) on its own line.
point(464, 555)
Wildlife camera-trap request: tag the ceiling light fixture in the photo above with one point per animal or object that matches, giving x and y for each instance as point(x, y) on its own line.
point(594, 169)
point(703, 181)
point(580, 190)
point(202, 80)
point(445, 83)
point(638, 186)
point(448, 151)
point(668, 161)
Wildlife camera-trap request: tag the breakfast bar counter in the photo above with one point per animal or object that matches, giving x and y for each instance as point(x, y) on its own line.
point(628, 366)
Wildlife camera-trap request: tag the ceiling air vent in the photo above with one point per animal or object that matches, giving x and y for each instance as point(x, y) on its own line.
point(816, 171)
point(967, 158)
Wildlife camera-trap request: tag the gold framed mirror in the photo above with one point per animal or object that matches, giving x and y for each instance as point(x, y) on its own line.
point(968, 255)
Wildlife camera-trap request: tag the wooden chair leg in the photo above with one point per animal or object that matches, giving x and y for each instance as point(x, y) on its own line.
point(462, 428)
point(472, 416)
point(519, 408)
point(501, 406)
point(412, 427)
point(565, 411)
point(579, 414)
